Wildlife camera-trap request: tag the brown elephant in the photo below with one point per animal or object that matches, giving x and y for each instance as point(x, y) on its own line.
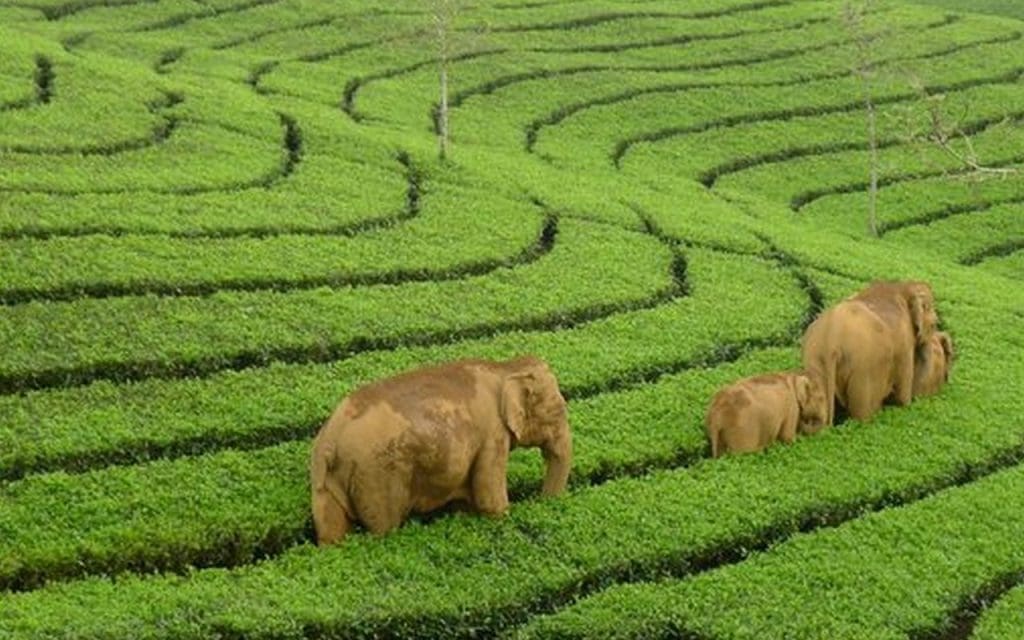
point(863, 349)
point(416, 441)
point(752, 413)
point(931, 370)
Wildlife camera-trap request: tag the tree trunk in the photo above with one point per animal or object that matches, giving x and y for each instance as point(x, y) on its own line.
point(442, 112)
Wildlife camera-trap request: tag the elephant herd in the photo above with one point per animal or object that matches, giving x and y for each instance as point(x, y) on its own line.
point(419, 440)
point(880, 344)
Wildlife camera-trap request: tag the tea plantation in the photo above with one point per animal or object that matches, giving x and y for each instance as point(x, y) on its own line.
point(217, 217)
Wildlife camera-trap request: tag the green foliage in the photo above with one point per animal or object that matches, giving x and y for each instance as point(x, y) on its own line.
point(886, 575)
point(1004, 619)
point(997, 7)
point(107, 421)
point(218, 218)
point(233, 329)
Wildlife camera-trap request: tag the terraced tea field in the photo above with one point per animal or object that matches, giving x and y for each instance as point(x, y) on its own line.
point(217, 217)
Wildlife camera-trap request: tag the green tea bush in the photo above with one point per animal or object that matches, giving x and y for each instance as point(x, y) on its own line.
point(219, 218)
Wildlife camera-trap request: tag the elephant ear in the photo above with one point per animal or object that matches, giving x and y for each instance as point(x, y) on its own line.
point(947, 349)
point(803, 391)
point(921, 300)
point(515, 398)
point(947, 345)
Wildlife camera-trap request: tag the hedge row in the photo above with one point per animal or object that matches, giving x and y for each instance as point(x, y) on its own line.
point(197, 158)
point(460, 232)
point(964, 236)
point(346, 180)
point(527, 58)
point(206, 43)
point(245, 505)
point(603, 133)
point(372, 97)
point(140, 336)
point(18, 67)
point(843, 171)
point(1004, 620)
point(106, 423)
point(94, 104)
point(13, 15)
point(863, 258)
point(898, 573)
point(550, 551)
point(1010, 265)
point(919, 202)
point(594, 82)
point(709, 155)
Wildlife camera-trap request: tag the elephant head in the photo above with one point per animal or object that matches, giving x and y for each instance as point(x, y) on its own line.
point(932, 365)
point(810, 397)
point(534, 412)
point(918, 298)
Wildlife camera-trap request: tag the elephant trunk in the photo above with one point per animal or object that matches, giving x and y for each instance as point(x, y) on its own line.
point(558, 460)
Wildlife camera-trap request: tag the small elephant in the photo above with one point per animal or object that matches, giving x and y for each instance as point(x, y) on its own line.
point(864, 347)
point(931, 370)
point(416, 441)
point(752, 413)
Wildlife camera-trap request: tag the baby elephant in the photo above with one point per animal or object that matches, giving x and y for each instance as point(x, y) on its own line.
point(419, 440)
point(754, 412)
point(932, 364)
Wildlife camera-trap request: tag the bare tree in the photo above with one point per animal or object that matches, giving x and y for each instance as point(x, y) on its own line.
point(943, 132)
point(443, 13)
point(863, 68)
point(453, 43)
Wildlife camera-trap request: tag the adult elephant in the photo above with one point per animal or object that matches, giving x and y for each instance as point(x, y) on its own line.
point(416, 441)
point(863, 349)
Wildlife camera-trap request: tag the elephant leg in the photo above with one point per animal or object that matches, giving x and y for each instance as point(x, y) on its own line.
point(490, 482)
point(863, 399)
point(903, 389)
point(787, 431)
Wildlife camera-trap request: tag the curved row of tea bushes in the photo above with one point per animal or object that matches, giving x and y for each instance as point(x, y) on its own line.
point(92, 104)
point(345, 180)
point(197, 158)
point(842, 171)
point(454, 235)
point(1003, 620)
point(964, 236)
point(526, 60)
point(921, 202)
point(106, 423)
point(662, 116)
point(243, 505)
point(614, 85)
point(1010, 265)
point(713, 154)
point(141, 336)
point(621, 530)
point(901, 572)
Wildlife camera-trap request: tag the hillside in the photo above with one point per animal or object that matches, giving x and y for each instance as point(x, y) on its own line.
point(218, 217)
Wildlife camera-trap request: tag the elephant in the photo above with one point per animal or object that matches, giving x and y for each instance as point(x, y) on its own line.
point(421, 439)
point(751, 413)
point(863, 349)
point(931, 370)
